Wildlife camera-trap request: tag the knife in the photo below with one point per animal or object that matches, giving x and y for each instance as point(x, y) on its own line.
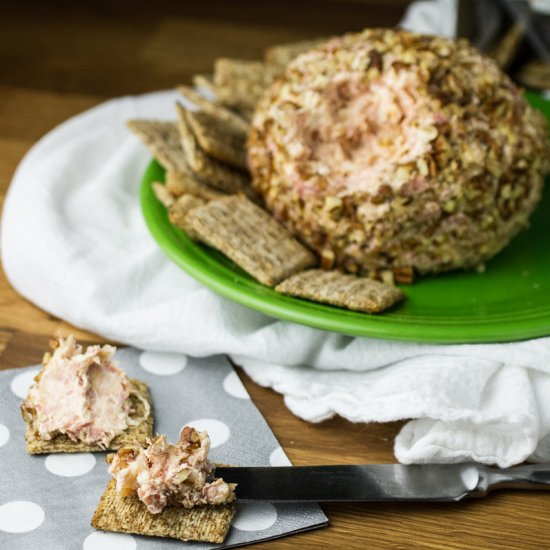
point(380, 482)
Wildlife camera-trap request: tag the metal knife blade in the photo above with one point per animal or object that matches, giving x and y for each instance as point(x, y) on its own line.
point(379, 482)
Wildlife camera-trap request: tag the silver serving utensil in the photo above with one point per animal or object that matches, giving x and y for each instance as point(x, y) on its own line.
point(380, 482)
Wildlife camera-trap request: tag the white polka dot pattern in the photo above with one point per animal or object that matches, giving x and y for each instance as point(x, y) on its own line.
point(205, 393)
point(22, 382)
point(162, 364)
point(234, 387)
point(279, 458)
point(256, 516)
point(70, 465)
point(4, 434)
point(109, 541)
point(20, 516)
point(218, 431)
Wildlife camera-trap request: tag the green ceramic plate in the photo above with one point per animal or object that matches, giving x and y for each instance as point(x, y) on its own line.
point(510, 301)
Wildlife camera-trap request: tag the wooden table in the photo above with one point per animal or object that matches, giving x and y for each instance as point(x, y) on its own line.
point(58, 59)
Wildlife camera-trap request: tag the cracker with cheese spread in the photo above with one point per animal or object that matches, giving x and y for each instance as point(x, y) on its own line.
point(82, 401)
point(167, 490)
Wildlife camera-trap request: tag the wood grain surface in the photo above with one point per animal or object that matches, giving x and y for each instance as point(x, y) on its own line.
point(60, 58)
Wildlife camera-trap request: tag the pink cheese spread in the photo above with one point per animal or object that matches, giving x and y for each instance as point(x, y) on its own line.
point(356, 133)
point(164, 474)
point(82, 394)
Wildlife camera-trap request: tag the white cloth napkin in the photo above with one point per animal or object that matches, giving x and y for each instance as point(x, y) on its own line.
point(74, 242)
point(431, 17)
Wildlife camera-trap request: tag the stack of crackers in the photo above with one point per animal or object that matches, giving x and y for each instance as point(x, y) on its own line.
point(208, 192)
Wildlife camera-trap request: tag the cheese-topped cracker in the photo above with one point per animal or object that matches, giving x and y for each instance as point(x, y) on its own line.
point(129, 515)
point(82, 401)
point(61, 443)
point(251, 238)
point(168, 490)
point(338, 289)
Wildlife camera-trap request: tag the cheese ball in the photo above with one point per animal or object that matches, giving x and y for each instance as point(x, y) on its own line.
point(387, 150)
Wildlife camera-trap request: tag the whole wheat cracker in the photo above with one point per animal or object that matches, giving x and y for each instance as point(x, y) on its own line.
point(163, 140)
point(240, 83)
point(214, 108)
point(338, 289)
point(281, 54)
point(163, 194)
point(185, 183)
point(61, 443)
point(250, 237)
point(206, 83)
point(129, 515)
point(218, 138)
point(179, 211)
point(212, 171)
point(245, 113)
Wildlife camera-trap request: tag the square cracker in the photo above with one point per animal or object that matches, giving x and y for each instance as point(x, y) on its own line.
point(205, 82)
point(339, 289)
point(163, 194)
point(251, 238)
point(178, 212)
point(212, 171)
point(61, 443)
point(129, 515)
point(185, 183)
point(240, 83)
point(246, 114)
point(281, 54)
point(218, 138)
point(163, 140)
point(213, 108)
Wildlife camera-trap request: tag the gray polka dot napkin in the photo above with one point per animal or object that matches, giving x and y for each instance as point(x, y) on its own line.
point(48, 501)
